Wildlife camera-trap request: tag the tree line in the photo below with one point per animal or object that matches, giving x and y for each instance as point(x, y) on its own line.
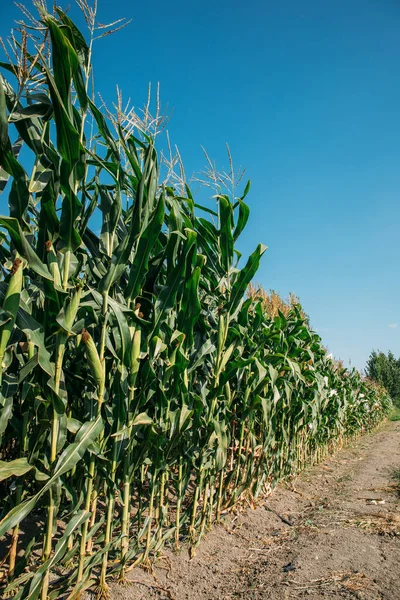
point(385, 370)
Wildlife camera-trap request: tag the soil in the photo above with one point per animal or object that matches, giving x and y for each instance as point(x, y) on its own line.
point(317, 537)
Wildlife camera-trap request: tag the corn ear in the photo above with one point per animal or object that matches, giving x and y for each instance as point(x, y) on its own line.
point(136, 336)
point(53, 264)
point(73, 307)
point(93, 359)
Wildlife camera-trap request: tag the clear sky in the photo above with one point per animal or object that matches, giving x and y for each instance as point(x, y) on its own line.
point(308, 96)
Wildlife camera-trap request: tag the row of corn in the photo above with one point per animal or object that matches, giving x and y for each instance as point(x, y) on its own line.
point(142, 396)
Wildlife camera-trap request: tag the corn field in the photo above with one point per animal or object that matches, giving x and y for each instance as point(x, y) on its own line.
point(142, 394)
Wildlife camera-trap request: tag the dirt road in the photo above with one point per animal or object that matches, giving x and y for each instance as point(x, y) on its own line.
point(338, 546)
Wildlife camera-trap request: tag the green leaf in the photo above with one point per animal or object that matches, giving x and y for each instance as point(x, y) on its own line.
point(19, 194)
point(146, 243)
point(35, 333)
point(110, 217)
point(225, 232)
point(23, 246)
point(6, 410)
point(41, 178)
point(40, 109)
point(273, 373)
point(4, 175)
point(3, 121)
point(243, 217)
point(18, 199)
point(104, 130)
point(16, 467)
point(142, 419)
point(199, 355)
point(65, 63)
point(71, 208)
point(243, 279)
point(190, 307)
point(76, 38)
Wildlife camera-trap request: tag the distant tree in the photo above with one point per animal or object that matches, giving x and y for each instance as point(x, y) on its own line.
point(385, 369)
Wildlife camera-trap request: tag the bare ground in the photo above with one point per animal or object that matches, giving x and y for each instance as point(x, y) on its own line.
point(338, 545)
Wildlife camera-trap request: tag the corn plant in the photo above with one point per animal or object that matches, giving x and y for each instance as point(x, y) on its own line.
point(142, 396)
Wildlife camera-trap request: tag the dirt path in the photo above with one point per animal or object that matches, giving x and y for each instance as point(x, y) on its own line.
point(338, 546)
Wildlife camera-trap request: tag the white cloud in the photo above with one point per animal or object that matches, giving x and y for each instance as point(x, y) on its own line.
point(393, 325)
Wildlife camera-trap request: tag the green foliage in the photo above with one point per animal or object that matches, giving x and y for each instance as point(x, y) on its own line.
point(394, 414)
point(385, 370)
point(141, 395)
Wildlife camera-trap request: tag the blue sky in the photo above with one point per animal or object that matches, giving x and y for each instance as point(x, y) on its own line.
point(307, 94)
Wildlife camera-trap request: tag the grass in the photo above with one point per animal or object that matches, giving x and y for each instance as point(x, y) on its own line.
point(395, 414)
